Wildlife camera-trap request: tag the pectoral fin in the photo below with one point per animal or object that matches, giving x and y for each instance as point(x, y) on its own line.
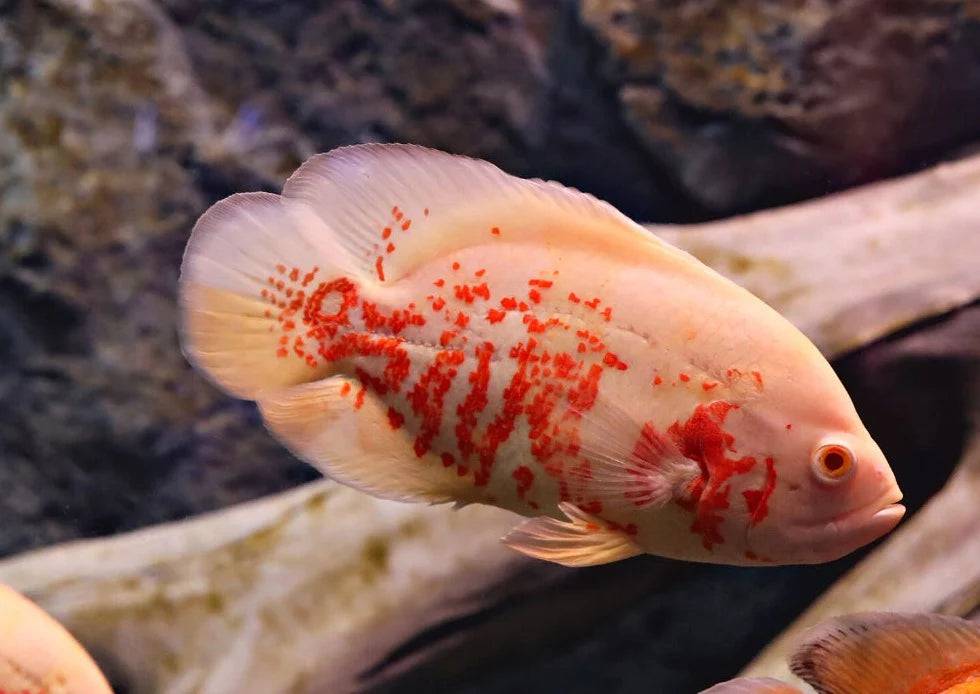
point(630, 461)
point(582, 540)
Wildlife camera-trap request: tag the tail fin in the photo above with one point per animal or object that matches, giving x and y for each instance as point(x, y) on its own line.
point(251, 266)
point(882, 653)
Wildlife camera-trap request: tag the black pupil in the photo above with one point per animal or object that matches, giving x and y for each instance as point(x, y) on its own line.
point(833, 461)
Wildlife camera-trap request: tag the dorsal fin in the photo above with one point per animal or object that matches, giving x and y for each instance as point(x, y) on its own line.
point(448, 202)
point(884, 653)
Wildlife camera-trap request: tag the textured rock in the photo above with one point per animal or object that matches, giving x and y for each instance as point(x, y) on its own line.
point(749, 103)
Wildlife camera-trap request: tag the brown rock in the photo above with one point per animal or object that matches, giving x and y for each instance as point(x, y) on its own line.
point(751, 103)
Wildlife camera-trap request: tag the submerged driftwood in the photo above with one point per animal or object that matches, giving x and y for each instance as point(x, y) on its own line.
point(307, 590)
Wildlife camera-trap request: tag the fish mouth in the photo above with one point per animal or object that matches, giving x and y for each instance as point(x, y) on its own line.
point(830, 540)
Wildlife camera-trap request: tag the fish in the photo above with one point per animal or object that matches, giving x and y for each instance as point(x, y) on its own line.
point(426, 328)
point(753, 685)
point(879, 653)
point(39, 656)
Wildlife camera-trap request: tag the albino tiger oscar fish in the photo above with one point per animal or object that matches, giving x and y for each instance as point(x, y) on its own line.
point(880, 653)
point(425, 327)
point(38, 656)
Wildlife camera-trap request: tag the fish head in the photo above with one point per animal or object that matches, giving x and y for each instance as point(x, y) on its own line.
point(827, 486)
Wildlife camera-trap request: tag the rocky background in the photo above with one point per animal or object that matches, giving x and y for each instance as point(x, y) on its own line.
point(120, 122)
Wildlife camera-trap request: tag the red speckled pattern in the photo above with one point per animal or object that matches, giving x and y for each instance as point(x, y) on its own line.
point(328, 321)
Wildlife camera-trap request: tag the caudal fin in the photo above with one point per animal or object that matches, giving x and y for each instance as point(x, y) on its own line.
point(251, 269)
point(882, 653)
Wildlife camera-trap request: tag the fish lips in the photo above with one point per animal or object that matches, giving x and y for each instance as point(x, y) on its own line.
point(829, 540)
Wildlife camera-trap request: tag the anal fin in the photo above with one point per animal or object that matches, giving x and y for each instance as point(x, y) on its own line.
point(582, 540)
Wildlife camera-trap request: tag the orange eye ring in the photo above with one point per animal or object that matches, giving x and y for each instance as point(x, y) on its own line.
point(833, 464)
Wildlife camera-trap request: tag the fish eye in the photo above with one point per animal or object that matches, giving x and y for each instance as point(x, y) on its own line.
point(833, 463)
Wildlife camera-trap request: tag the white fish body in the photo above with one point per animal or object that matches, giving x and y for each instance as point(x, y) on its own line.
point(425, 327)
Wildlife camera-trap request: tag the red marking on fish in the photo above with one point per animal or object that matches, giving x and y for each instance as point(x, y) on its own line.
point(385, 233)
point(945, 679)
point(573, 298)
point(757, 500)
point(709, 385)
point(309, 276)
point(462, 320)
point(425, 212)
point(455, 266)
point(427, 396)
point(447, 337)
point(390, 248)
point(607, 314)
point(406, 224)
point(702, 439)
point(463, 293)
point(395, 418)
point(525, 478)
point(788, 427)
point(758, 379)
point(378, 265)
point(657, 380)
point(439, 282)
point(480, 273)
point(593, 303)
point(544, 284)
point(684, 377)
point(475, 401)
point(438, 303)
point(612, 360)
point(535, 296)
point(495, 316)
point(495, 231)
